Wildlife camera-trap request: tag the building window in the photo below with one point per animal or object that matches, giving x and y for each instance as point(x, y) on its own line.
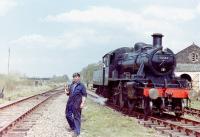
point(194, 57)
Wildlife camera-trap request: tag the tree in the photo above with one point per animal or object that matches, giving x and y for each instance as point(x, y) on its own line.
point(63, 78)
point(87, 73)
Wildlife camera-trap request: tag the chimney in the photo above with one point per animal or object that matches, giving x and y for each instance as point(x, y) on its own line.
point(157, 40)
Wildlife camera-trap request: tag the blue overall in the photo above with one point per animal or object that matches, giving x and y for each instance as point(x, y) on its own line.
point(73, 110)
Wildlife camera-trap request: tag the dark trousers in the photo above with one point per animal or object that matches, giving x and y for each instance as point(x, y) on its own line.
point(73, 116)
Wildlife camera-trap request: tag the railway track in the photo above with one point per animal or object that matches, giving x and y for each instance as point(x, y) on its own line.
point(167, 124)
point(173, 126)
point(14, 119)
point(193, 112)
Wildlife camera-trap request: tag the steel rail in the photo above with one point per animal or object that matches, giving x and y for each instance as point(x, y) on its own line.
point(45, 96)
point(175, 124)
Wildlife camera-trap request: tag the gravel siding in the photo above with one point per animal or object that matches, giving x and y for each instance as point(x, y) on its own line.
point(52, 123)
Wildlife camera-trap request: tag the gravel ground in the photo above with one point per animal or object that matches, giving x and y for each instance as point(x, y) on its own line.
point(52, 123)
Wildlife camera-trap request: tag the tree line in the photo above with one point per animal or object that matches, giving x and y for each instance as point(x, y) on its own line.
point(87, 73)
point(63, 78)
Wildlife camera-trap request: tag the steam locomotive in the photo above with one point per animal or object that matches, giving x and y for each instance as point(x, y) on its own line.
point(143, 77)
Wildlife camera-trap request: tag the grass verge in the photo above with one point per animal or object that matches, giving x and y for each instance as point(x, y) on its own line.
point(23, 91)
point(195, 104)
point(101, 121)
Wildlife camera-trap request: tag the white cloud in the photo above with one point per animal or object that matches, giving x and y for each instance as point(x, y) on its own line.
point(6, 6)
point(92, 32)
point(141, 23)
point(150, 19)
point(34, 52)
point(169, 13)
point(69, 40)
point(198, 8)
point(114, 15)
point(95, 14)
point(35, 40)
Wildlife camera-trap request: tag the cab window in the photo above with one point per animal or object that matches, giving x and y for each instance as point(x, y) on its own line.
point(106, 60)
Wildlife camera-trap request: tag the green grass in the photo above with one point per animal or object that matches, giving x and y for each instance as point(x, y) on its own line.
point(195, 104)
point(100, 121)
point(16, 87)
point(23, 91)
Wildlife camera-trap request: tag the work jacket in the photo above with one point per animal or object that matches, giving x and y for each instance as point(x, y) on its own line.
point(77, 91)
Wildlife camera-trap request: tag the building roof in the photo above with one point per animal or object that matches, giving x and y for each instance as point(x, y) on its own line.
point(189, 55)
point(193, 46)
point(188, 59)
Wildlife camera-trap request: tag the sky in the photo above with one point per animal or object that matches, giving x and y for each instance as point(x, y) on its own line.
point(57, 37)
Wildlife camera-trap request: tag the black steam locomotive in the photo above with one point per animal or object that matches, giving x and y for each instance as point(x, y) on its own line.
point(143, 77)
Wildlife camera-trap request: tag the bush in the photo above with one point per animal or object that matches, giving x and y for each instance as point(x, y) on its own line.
point(11, 81)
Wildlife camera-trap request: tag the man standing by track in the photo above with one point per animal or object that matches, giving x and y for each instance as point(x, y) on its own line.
point(77, 95)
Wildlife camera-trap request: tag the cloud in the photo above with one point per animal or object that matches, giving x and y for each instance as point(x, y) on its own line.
point(152, 18)
point(198, 8)
point(77, 38)
point(111, 15)
point(169, 13)
point(92, 32)
point(77, 47)
point(103, 25)
point(95, 14)
point(6, 6)
point(36, 40)
point(108, 26)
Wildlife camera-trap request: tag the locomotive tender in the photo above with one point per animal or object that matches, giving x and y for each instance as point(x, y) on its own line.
point(143, 77)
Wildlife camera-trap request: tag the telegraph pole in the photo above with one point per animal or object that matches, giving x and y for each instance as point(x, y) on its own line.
point(8, 60)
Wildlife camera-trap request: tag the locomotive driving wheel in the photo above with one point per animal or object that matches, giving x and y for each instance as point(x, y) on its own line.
point(115, 97)
point(131, 105)
point(178, 114)
point(121, 99)
point(131, 98)
point(178, 110)
point(148, 105)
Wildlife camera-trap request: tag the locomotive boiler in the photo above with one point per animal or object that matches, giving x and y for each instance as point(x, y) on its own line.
point(143, 77)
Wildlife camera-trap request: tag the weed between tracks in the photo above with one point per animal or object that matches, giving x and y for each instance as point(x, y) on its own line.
point(194, 104)
point(100, 121)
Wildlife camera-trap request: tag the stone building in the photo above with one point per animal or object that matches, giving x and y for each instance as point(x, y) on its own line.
point(188, 64)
